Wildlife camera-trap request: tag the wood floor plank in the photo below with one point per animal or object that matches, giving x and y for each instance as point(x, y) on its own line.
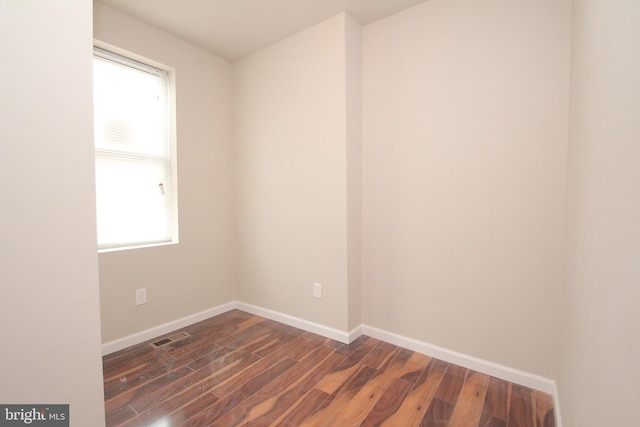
point(416, 403)
point(278, 340)
point(320, 340)
point(193, 399)
point(489, 421)
point(181, 346)
point(360, 348)
point(230, 401)
point(202, 378)
point(468, 409)
point(241, 377)
point(302, 409)
point(545, 416)
point(142, 392)
point(297, 348)
point(244, 336)
point(389, 403)
point(438, 414)
point(224, 325)
point(380, 355)
point(281, 327)
point(496, 403)
point(336, 378)
point(119, 415)
point(195, 345)
point(217, 360)
point(271, 401)
point(258, 339)
point(411, 371)
point(283, 404)
point(405, 363)
point(144, 373)
point(349, 367)
point(209, 352)
point(179, 416)
point(363, 401)
point(241, 369)
point(451, 384)
point(521, 407)
point(339, 400)
point(164, 364)
point(348, 349)
point(114, 365)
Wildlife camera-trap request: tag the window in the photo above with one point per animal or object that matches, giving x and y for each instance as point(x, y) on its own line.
point(135, 186)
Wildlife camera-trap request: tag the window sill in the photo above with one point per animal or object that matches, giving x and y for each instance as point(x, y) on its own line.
point(143, 246)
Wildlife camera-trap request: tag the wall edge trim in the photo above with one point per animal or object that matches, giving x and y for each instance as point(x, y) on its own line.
point(316, 328)
point(506, 373)
point(556, 405)
point(526, 379)
point(354, 333)
point(156, 331)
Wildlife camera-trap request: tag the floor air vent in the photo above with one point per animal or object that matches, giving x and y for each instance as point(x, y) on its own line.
point(170, 339)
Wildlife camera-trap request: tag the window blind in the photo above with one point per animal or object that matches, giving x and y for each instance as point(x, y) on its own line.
point(133, 182)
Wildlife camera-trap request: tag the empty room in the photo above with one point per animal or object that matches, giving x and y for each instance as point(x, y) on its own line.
point(366, 212)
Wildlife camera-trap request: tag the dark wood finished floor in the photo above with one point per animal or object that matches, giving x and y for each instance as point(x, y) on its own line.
point(241, 369)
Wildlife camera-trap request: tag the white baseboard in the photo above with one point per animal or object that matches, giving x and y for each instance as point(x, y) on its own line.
point(556, 405)
point(495, 370)
point(316, 328)
point(148, 334)
point(526, 379)
point(165, 328)
point(354, 334)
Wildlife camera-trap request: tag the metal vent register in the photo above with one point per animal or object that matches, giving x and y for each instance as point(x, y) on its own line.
point(170, 339)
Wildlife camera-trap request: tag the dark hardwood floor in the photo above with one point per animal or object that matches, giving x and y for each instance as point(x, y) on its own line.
point(241, 369)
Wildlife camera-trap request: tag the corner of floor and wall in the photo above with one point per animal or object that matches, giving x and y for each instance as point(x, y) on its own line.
point(506, 373)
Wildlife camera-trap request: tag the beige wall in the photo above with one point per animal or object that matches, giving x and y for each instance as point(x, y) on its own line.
point(49, 307)
point(600, 374)
point(198, 273)
point(465, 139)
point(291, 153)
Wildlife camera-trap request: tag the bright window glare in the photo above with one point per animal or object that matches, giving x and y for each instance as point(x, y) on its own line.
point(133, 188)
point(128, 109)
point(131, 207)
point(161, 423)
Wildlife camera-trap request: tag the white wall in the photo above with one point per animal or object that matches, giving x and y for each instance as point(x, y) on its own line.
point(465, 139)
point(600, 374)
point(199, 272)
point(291, 175)
point(49, 309)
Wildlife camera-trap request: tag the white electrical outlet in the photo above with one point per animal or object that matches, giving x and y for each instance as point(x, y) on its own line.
point(317, 290)
point(141, 296)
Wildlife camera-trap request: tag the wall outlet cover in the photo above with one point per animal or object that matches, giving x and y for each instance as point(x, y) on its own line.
point(141, 296)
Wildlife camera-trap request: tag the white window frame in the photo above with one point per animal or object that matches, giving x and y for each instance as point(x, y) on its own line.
point(110, 52)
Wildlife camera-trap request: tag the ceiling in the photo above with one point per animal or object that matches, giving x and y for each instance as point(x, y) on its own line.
point(233, 29)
